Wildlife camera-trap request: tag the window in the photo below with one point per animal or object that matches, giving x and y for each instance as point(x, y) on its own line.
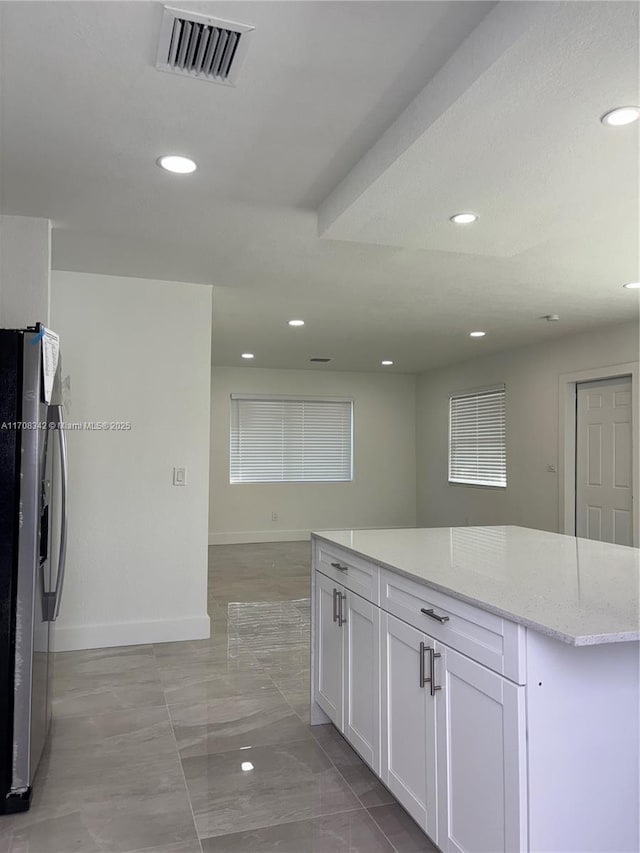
point(290, 440)
point(477, 446)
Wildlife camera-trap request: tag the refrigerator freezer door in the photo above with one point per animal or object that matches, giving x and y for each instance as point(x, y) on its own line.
point(10, 408)
point(31, 687)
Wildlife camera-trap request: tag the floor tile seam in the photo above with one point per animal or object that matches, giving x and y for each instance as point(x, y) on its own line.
point(280, 823)
point(241, 647)
point(68, 671)
point(102, 684)
point(372, 808)
point(149, 669)
point(204, 678)
point(257, 670)
point(299, 716)
point(288, 742)
point(135, 710)
point(257, 707)
point(346, 781)
point(284, 823)
point(184, 778)
point(142, 650)
point(115, 710)
point(229, 697)
point(274, 694)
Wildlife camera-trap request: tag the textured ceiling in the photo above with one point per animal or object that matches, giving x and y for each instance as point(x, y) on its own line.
point(327, 176)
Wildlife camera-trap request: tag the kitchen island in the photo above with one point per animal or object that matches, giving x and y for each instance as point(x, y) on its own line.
point(489, 677)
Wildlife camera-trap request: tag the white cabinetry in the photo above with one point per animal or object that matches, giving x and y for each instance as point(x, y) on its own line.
point(493, 736)
point(481, 760)
point(453, 742)
point(328, 673)
point(361, 682)
point(408, 723)
point(346, 672)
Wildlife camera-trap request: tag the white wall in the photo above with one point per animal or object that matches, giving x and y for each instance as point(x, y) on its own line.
point(139, 351)
point(25, 269)
point(531, 375)
point(383, 491)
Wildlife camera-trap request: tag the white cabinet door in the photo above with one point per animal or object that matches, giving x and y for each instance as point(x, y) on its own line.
point(362, 677)
point(329, 649)
point(481, 757)
point(408, 721)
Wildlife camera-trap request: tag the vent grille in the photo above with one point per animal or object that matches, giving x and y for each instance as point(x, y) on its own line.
point(320, 360)
point(202, 47)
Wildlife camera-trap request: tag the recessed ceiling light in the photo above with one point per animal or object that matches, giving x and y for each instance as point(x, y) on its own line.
point(247, 355)
point(296, 322)
point(632, 285)
point(386, 362)
point(477, 334)
point(174, 163)
point(463, 218)
point(246, 766)
point(621, 116)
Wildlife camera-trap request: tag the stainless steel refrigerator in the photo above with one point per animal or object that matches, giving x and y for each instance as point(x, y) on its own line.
point(33, 531)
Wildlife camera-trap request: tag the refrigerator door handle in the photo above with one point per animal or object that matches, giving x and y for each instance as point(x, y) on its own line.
point(57, 418)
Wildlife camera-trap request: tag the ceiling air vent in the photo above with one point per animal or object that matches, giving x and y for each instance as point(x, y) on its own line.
point(202, 47)
point(320, 360)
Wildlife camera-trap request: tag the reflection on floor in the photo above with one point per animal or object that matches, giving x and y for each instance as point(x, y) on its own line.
point(205, 747)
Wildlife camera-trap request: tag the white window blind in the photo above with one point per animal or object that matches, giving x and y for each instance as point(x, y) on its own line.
point(477, 444)
point(275, 440)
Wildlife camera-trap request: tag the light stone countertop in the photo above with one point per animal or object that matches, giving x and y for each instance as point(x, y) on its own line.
point(580, 591)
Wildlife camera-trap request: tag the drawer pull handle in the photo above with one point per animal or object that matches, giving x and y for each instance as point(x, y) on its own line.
point(340, 568)
point(335, 605)
point(434, 615)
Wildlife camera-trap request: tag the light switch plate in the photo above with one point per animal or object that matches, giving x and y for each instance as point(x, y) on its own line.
point(179, 476)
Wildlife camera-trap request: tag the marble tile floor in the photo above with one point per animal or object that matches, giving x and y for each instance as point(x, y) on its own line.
point(205, 746)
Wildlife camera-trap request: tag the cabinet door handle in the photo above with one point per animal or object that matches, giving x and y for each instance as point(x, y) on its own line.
point(340, 568)
point(434, 615)
point(335, 605)
point(423, 676)
point(432, 671)
point(342, 596)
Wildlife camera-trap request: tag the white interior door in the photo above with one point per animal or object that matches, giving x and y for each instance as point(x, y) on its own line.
point(603, 461)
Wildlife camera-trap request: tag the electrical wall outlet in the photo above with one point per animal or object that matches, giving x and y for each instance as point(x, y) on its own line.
point(274, 516)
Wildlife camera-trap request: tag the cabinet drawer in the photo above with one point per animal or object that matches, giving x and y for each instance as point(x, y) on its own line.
point(352, 572)
point(489, 639)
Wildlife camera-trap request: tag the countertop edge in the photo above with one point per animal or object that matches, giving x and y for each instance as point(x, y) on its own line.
point(570, 639)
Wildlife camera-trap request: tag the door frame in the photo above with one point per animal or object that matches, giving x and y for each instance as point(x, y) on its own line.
point(567, 440)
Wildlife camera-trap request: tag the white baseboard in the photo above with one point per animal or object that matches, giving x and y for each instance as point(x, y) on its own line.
point(247, 536)
point(75, 637)
point(240, 537)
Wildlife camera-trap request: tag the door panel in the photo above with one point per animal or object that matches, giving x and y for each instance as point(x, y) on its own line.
point(594, 451)
point(594, 523)
point(328, 651)
point(361, 678)
point(408, 724)
point(481, 758)
point(603, 461)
